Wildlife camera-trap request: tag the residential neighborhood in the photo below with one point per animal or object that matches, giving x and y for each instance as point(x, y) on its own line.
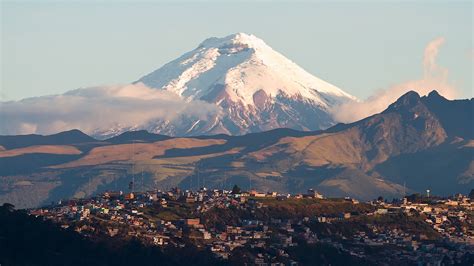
point(272, 228)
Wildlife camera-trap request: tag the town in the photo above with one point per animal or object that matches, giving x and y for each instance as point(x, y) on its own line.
point(256, 228)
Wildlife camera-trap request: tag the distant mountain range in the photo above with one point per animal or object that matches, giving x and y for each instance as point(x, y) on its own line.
point(417, 143)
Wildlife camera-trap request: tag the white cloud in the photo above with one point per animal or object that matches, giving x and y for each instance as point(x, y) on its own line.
point(97, 108)
point(435, 78)
point(429, 59)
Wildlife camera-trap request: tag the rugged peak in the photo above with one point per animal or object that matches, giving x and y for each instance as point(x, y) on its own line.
point(445, 110)
point(409, 97)
point(407, 100)
point(434, 93)
point(434, 96)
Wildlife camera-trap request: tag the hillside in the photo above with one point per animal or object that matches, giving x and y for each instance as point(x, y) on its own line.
point(29, 240)
point(417, 143)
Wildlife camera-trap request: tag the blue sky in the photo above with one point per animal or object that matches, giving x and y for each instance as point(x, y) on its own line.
point(53, 47)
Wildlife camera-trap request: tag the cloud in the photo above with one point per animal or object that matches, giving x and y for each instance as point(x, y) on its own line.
point(435, 78)
point(98, 109)
point(429, 59)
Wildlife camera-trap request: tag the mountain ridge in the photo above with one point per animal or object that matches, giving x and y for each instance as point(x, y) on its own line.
point(74, 136)
point(405, 144)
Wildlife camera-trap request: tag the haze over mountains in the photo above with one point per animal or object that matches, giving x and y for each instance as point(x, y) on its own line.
point(417, 143)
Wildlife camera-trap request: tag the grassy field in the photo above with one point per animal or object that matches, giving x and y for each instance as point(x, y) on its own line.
point(175, 211)
point(311, 207)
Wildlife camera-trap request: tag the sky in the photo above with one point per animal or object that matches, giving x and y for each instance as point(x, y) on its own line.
point(362, 47)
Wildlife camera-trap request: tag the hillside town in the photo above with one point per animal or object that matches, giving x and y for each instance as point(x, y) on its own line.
point(274, 229)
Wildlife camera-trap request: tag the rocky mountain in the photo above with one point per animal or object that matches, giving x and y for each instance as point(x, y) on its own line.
point(256, 88)
point(417, 143)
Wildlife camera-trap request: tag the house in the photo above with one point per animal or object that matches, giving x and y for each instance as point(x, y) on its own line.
point(112, 194)
point(192, 222)
point(272, 194)
point(313, 194)
point(163, 203)
point(257, 194)
point(283, 196)
point(203, 234)
point(233, 230)
point(451, 203)
point(381, 211)
point(190, 200)
point(241, 199)
point(426, 209)
point(160, 240)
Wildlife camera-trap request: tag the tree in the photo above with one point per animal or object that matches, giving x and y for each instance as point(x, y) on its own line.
point(416, 197)
point(471, 194)
point(8, 207)
point(236, 189)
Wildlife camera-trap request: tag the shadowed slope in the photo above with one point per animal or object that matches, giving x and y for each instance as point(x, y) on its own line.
point(418, 141)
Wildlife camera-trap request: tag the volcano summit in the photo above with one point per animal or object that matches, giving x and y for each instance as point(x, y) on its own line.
point(256, 88)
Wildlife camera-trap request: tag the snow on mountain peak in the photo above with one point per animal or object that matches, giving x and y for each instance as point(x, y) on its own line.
point(236, 39)
point(238, 66)
point(255, 87)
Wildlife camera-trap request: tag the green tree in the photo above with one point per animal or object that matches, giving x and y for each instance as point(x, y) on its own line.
point(8, 207)
point(236, 189)
point(471, 194)
point(416, 197)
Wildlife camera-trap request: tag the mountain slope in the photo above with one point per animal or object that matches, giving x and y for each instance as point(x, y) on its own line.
point(452, 114)
point(67, 137)
point(136, 136)
point(406, 148)
point(405, 143)
point(257, 89)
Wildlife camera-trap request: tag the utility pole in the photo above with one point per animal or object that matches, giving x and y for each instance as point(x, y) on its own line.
point(133, 166)
point(204, 181)
point(404, 189)
point(143, 181)
point(223, 179)
point(197, 169)
point(90, 185)
point(250, 181)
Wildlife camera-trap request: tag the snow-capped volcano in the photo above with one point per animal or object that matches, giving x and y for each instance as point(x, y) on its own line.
point(256, 87)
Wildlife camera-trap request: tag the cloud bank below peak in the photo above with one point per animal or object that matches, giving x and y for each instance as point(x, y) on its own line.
point(435, 78)
point(98, 108)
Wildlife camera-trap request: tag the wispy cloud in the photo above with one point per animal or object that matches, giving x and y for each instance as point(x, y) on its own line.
point(435, 78)
point(429, 59)
point(98, 109)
